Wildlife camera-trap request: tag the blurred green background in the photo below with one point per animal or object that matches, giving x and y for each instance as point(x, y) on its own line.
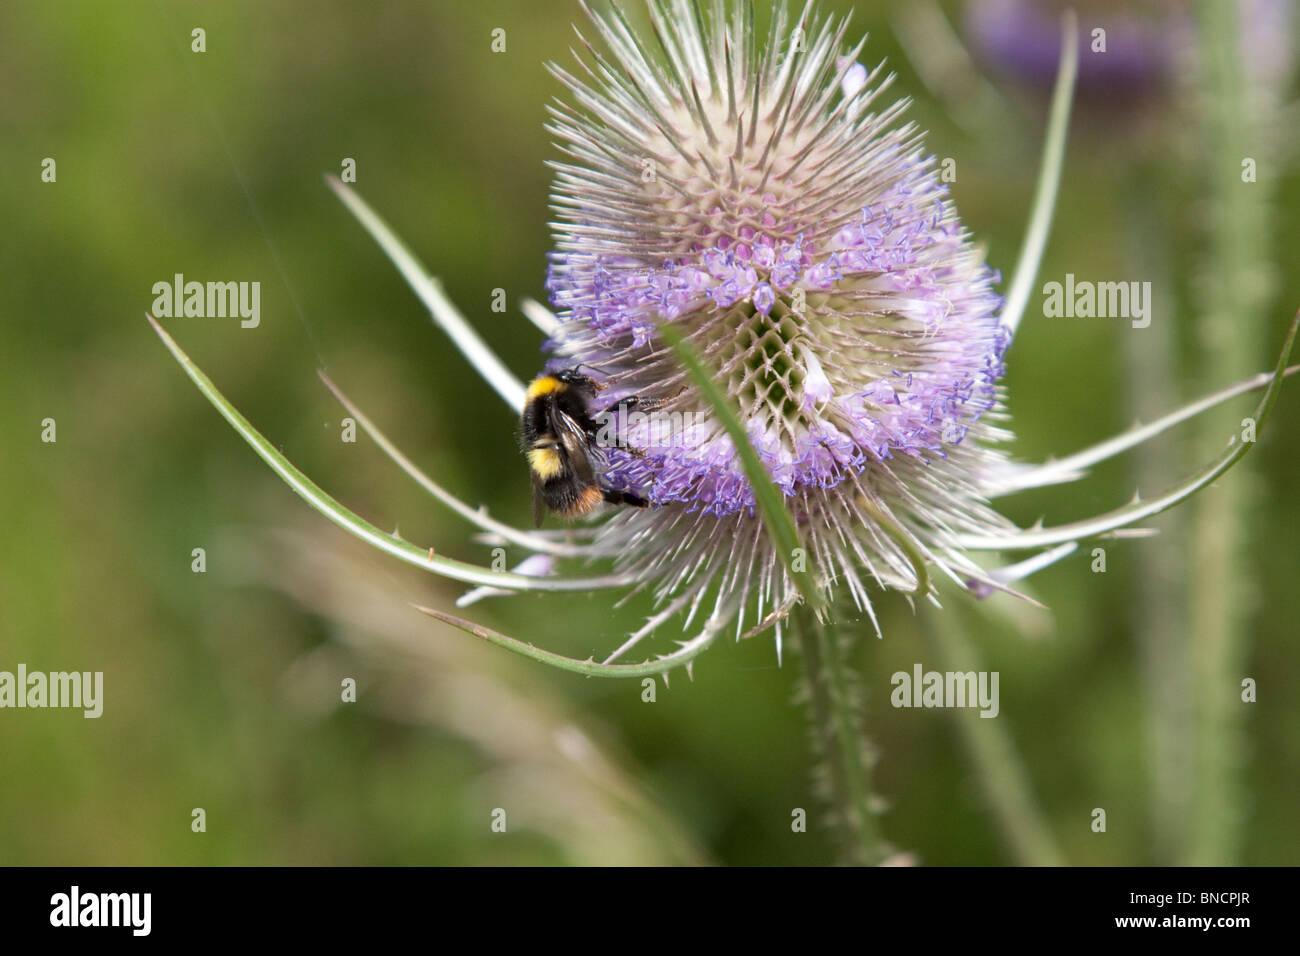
point(222, 688)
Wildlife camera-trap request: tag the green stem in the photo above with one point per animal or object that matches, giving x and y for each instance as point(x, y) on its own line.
point(1229, 338)
point(834, 707)
point(999, 770)
point(1159, 610)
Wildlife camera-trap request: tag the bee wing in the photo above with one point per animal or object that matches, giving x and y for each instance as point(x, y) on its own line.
point(576, 445)
point(539, 505)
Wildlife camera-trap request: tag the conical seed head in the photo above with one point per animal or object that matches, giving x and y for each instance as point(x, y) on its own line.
point(760, 198)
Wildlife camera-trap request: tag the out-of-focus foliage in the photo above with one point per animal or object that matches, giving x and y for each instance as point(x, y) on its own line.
point(222, 688)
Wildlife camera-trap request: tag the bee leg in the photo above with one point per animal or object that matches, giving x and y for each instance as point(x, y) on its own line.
point(624, 498)
point(653, 403)
point(641, 404)
point(637, 403)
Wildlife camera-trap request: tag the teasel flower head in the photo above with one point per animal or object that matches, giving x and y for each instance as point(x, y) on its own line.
point(771, 204)
point(761, 267)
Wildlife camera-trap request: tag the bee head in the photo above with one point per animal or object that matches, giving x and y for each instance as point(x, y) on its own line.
point(576, 380)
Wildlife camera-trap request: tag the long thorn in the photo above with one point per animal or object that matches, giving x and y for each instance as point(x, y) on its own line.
point(1049, 177)
point(429, 290)
point(589, 668)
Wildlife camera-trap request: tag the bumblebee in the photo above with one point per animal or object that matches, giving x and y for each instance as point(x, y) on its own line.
point(558, 436)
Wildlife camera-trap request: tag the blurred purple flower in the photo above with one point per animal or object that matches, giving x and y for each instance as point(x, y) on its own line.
point(1143, 43)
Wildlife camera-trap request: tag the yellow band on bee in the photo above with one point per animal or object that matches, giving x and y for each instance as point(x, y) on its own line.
point(545, 463)
point(544, 385)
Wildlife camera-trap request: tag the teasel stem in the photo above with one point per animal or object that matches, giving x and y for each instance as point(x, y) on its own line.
point(1159, 608)
point(1228, 335)
point(845, 756)
point(1003, 781)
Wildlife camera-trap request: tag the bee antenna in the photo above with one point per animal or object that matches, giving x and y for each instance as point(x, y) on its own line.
point(597, 385)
